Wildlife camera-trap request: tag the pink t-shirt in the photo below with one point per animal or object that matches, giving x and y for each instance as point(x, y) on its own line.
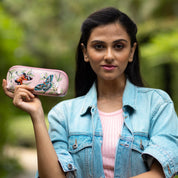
point(112, 127)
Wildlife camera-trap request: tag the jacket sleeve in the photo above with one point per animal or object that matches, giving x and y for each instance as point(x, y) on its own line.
point(58, 132)
point(163, 145)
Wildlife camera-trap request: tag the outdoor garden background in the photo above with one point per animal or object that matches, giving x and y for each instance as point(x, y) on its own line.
point(44, 33)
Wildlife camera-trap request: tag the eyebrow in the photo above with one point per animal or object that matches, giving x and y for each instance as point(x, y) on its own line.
point(116, 41)
point(120, 40)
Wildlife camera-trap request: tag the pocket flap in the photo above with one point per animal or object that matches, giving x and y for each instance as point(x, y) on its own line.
point(79, 142)
point(140, 143)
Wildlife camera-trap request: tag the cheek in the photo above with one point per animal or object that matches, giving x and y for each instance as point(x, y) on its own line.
point(93, 55)
point(124, 54)
point(123, 61)
point(123, 58)
point(94, 58)
point(94, 65)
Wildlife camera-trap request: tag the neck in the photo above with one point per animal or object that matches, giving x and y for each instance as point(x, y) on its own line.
point(111, 89)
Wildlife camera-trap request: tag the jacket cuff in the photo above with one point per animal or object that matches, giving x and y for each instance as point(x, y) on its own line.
point(66, 162)
point(163, 157)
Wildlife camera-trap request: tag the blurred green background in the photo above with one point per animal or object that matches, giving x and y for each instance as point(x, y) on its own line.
point(44, 33)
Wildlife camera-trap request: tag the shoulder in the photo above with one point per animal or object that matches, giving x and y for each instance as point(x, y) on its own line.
point(144, 96)
point(152, 100)
point(153, 104)
point(154, 94)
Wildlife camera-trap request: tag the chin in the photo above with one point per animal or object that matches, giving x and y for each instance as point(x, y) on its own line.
point(112, 78)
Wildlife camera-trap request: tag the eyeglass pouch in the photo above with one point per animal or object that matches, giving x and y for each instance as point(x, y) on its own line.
point(48, 82)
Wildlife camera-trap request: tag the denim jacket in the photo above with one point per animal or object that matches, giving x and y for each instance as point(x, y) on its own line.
point(150, 131)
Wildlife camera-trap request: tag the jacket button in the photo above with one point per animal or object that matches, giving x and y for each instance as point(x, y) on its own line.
point(69, 166)
point(141, 146)
point(74, 146)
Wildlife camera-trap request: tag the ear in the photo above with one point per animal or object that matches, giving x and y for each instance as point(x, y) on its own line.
point(132, 52)
point(84, 50)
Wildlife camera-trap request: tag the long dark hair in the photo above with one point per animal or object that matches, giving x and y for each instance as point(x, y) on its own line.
point(85, 76)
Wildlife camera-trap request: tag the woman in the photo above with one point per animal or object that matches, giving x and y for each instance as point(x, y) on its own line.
point(114, 127)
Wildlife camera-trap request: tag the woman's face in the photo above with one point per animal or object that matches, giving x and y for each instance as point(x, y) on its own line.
point(109, 51)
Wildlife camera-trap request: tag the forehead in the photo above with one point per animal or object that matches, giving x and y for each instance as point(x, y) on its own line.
point(109, 32)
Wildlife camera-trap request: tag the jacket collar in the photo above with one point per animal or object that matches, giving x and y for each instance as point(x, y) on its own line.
point(90, 100)
point(129, 97)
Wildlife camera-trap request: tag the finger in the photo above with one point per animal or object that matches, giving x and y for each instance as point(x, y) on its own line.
point(21, 97)
point(25, 97)
point(25, 87)
point(8, 93)
point(21, 90)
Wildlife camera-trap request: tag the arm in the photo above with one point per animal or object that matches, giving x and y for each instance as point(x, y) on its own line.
point(163, 135)
point(48, 164)
point(155, 172)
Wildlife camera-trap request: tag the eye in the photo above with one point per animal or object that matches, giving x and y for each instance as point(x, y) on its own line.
point(119, 46)
point(98, 46)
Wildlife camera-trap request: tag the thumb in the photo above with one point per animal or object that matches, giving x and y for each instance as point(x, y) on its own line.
point(8, 93)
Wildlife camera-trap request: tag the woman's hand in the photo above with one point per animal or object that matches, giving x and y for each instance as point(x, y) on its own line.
point(24, 99)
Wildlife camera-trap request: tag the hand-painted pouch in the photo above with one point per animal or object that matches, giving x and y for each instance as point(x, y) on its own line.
point(48, 82)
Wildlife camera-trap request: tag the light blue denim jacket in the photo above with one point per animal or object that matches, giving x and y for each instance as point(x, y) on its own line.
point(150, 130)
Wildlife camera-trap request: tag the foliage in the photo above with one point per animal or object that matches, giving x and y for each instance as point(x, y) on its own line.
point(162, 48)
point(11, 53)
point(160, 56)
point(9, 41)
point(9, 167)
point(21, 130)
point(45, 33)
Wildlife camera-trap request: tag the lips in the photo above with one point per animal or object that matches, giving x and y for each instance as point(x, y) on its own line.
point(109, 67)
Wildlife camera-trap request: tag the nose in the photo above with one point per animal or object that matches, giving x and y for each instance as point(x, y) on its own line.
point(109, 56)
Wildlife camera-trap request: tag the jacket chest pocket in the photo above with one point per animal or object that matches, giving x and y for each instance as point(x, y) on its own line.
point(80, 147)
point(140, 143)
